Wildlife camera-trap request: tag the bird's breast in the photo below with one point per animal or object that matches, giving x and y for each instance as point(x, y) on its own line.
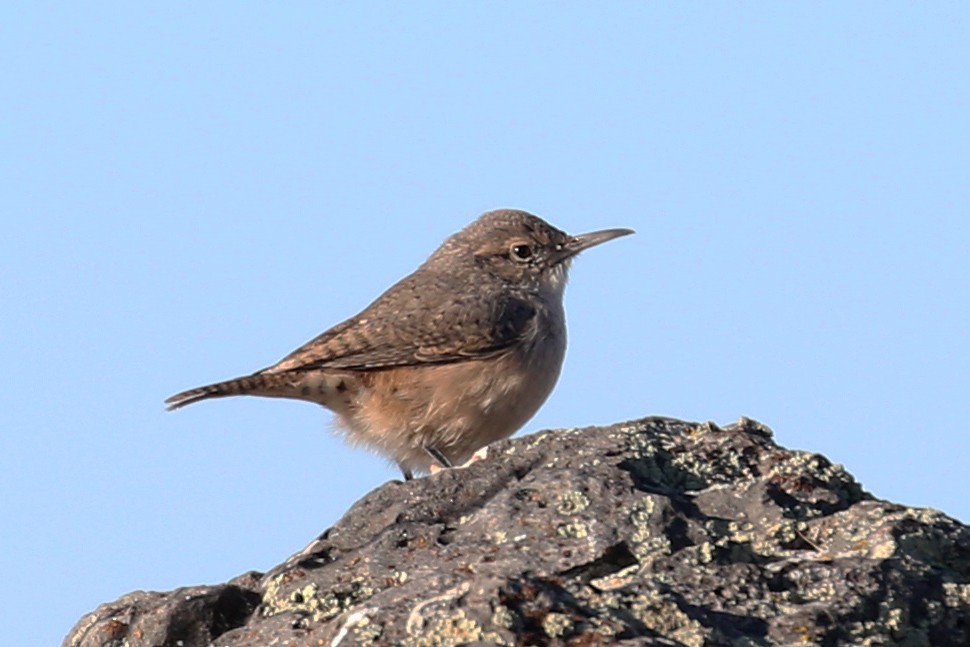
point(459, 407)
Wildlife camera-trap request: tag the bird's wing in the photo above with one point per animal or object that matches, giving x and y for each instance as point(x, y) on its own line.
point(431, 320)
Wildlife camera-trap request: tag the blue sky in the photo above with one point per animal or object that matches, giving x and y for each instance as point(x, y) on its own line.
point(190, 192)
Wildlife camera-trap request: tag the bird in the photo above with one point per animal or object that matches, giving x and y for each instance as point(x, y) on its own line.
point(457, 355)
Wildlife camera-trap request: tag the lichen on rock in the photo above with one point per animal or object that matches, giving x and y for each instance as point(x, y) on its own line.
point(655, 531)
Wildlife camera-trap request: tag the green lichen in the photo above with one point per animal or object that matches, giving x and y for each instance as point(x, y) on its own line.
point(705, 553)
point(664, 617)
point(556, 625)
point(699, 470)
point(644, 544)
point(502, 617)
point(453, 629)
point(317, 606)
point(572, 503)
point(956, 594)
point(367, 631)
point(573, 530)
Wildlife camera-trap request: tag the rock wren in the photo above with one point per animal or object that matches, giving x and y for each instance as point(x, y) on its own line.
point(458, 354)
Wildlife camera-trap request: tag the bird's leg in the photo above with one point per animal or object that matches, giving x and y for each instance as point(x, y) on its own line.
point(439, 458)
point(444, 463)
point(440, 462)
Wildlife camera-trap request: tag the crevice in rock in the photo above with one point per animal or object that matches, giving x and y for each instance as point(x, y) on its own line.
point(615, 558)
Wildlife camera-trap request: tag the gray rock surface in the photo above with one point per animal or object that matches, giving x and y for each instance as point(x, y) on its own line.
point(653, 532)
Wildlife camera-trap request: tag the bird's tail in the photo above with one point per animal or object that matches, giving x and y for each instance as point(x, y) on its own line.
point(266, 384)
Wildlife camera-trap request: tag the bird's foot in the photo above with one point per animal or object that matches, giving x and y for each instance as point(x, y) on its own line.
point(480, 455)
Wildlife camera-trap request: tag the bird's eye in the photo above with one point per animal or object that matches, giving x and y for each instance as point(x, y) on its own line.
point(521, 252)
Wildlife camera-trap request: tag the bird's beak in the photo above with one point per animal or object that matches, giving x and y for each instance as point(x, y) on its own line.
point(576, 244)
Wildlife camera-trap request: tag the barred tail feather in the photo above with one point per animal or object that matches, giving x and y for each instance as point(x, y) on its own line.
point(255, 384)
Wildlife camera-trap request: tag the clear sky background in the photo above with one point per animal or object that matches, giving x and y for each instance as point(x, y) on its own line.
point(191, 191)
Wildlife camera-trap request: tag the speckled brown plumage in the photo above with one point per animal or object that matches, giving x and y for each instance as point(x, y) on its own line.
point(454, 356)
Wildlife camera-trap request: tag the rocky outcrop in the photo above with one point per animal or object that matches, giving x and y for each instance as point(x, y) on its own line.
point(657, 532)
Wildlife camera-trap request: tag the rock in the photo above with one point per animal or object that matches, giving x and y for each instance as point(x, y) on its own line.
point(656, 532)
